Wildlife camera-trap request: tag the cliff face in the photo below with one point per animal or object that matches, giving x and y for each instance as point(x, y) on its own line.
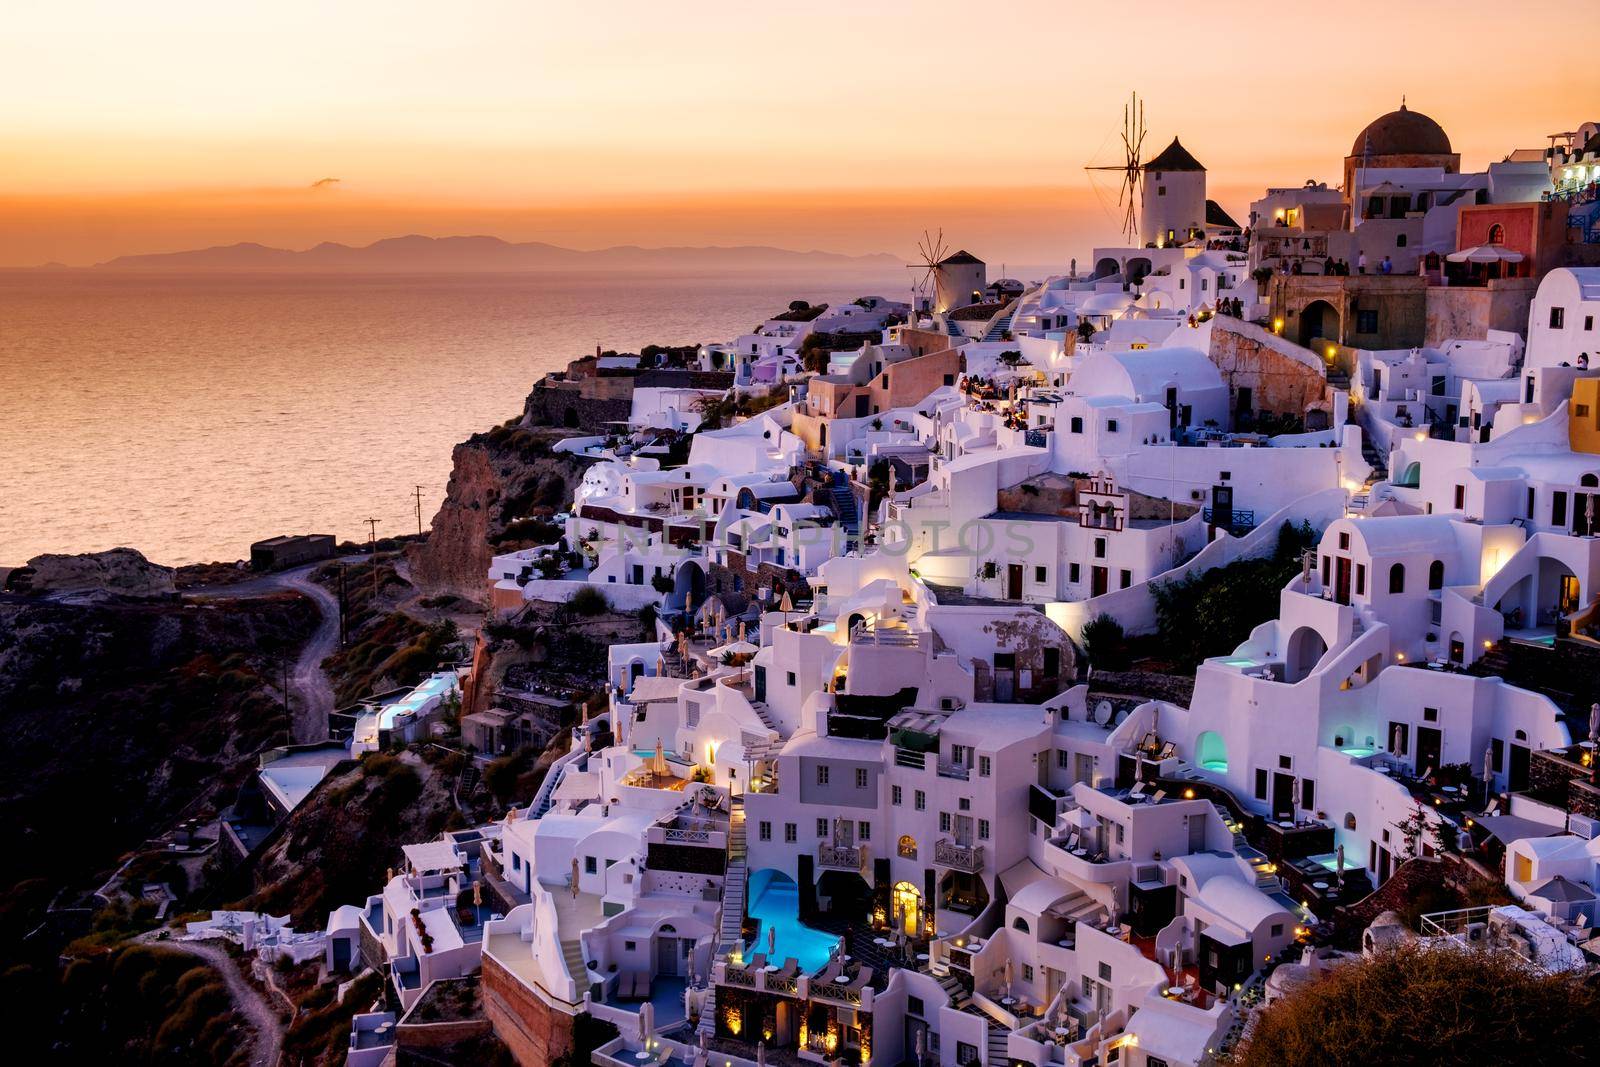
point(499, 478)
point(120, 712)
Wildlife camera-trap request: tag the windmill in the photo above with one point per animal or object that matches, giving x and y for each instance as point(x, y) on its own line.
point(931, 251)
point(1132, 166)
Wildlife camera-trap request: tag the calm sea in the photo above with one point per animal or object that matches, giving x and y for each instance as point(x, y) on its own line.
point(188, 416)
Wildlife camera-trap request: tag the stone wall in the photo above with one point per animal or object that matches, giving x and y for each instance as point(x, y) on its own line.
point(1251, 358)
point(588, 403)
point(1468, 312)
point(720, 580)
point(439, 1035)
point(535, 1033)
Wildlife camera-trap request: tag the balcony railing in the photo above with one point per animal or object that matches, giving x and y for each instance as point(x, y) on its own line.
point(840, 857)
point(954, 770)
point(947, 853)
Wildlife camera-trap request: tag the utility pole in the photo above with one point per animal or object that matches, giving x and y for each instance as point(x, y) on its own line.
point(419, 511)
point(372, 546)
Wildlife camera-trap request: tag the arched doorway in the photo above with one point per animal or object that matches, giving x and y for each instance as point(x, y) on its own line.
point(1136, 269)
point(1212, 752)
point(1304, 651)
point(906, 911)
point(688, 585)
point(1106, 267)
point(1318, 319)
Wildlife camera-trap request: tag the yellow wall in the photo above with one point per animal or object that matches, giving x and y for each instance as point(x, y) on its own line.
point(1583, 422)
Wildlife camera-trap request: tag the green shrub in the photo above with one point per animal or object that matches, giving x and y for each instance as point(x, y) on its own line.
point(589, 601)
point(1105, 643)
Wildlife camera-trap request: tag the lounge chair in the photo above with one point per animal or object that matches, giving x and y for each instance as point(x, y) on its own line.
point(1158, 796)
point(790, 968)
point(862, 978)
point(1137, 791)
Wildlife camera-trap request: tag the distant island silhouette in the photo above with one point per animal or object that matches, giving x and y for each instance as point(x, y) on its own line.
point(483, 254)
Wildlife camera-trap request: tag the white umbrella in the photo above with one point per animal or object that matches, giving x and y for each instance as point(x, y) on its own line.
point(573, 881)
point(1008, 978)
point(1485, 254)
point(772, 939)
point(918, 1046)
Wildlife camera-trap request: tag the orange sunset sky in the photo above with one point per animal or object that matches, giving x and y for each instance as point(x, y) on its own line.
point(844, 126)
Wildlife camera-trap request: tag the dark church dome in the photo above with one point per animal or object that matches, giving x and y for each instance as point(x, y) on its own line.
point(1402, 133)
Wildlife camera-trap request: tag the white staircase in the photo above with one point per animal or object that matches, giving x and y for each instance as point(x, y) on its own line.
point(730, 934)
point(998, 1051)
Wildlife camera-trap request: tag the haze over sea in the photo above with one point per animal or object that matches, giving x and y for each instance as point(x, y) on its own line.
point(187, 416)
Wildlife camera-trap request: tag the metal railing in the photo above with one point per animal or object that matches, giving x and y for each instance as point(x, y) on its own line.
point(840, 857)
point(947, 853)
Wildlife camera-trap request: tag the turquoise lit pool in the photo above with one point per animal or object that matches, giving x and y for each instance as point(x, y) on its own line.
point(1241, 664)
point(1357, 753)
point(775, 903)
point(1218, 765)
point(827, 628)
point(1329, 861)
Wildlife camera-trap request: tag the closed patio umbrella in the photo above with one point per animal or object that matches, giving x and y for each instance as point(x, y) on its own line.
point(1339, 862)
point(761, 1053)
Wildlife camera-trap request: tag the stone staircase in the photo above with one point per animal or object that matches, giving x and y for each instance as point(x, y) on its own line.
point(998, 1052)
point(1001, 323)
point(959, 995)
point(844, 506)
point(572, 953)
point(731, 932)
point(708, 1013)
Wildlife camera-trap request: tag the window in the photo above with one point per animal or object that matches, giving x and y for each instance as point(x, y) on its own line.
point(861, 777)
point(983, 829)
point(1430, 714)
point(944, 822)
point(914, 1005)
point(1099, 548)
point(1039, 574)
point(1460, 498)
point(1397, 578)
point(1558, 509)
point(791, 678)
point(1277, 929)
point(1558, 318)
point(984, 766)
point(1285, 762)
point(1027, 972)
point(1261, 783)
point(1111, 426)
point(920, 801)
point(864, 831)
point(1074, 572)
point(791, 832)
point(822, 774)
point(1399, 240)
point(1076, 424)
point(1344, 539)
point(1588, 322)
point(896, 794)
point(1105, 972)
point(1361, 579)
point(1436, 574)
point(765, 832)
point(822, 827)
point(1366, 321)
point(1497, 235)
point(589, 865)
point(964, 803)
point(1127, 578)
point(516, 862)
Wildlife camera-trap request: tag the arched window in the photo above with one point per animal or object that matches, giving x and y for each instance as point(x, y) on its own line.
point(1349, 820)
point(1019, 923)
point(1397, 578)
point(1399, 240)
point(1589, 481)
point(1436, 574)
point(1497, 235)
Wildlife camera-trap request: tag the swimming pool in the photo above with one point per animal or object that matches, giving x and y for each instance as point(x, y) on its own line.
point(1357, 753)
point(1218, 765)
point(775, 903)
point(1241, 664)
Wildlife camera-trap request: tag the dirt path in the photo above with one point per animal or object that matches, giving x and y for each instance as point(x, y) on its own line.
point(310, 693)
point(267, 1045)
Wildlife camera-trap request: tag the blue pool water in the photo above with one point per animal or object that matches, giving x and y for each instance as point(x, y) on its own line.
point(1219, 765)
point(1358, 753)
point(775, 902)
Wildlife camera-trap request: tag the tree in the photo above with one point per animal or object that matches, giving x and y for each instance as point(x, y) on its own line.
point(1105, 643)
point(1423, 1005)
point(1085, 330)
point(799, 305)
